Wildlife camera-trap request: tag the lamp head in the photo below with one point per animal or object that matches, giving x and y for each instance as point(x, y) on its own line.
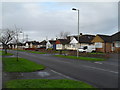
point(74, 9)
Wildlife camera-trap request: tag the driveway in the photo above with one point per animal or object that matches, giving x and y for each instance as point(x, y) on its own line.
point(102, 75)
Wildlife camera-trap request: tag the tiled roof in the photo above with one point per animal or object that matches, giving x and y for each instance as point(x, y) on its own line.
point(85, 38)
point(33, 42)
point(64, 41)
point(116, 36)
point(106, 38)
point(52, 41)
point(43, 42)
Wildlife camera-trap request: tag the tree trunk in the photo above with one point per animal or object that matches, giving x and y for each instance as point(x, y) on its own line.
point(5, 48)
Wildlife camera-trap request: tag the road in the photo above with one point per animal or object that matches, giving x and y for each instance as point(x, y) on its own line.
point(102, 74)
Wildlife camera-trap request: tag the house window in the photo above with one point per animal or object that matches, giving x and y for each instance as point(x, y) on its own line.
point(98, 45)
point(113, 44)
point(117, 44)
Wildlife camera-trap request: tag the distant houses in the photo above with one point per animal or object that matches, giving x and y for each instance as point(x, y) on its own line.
point(101, 43)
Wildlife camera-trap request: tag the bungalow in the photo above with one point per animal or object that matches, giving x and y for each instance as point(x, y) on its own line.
point(42, 44)
point(61, 44)
point(116, 42)
point(102, 43)
point(51, 44)
point(14, 46)
point(84, 41)
point(21, 45)
point(32, 44)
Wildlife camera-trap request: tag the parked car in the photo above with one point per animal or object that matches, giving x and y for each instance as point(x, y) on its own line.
point(87, 49)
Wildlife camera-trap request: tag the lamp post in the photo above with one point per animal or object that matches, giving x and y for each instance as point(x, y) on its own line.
point(78, 29)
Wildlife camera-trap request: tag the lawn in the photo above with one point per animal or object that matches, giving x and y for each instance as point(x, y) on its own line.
point(37, 52)
point(81, 58)
point(23, 65)
point(4, 54)
point(46, 83)
point(96, 53)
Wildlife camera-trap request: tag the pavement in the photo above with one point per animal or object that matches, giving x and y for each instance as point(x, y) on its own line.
point(99, 74)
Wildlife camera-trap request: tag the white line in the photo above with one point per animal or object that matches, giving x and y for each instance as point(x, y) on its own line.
point(101, 69)
point(98, 62)
point(63, 75)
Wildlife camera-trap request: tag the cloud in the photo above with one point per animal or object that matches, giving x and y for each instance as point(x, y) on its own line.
point(39, 20)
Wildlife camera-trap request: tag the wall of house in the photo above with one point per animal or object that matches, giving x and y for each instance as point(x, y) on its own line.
point(26, 45)
point(70, 47)
point(106, 47)
point(59, 46)
point(116, 46)
point(101, 46)
point(48, 45)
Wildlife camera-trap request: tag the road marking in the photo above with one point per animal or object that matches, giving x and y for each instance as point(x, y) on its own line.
point(101, 69)
point(63, 75)
point(98, 62)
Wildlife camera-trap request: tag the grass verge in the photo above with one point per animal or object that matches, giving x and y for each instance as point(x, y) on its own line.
point(23, 65)
point(46, 83)
point(4, 54)
point(37, 52)
point(96, 53)
point(81, 58)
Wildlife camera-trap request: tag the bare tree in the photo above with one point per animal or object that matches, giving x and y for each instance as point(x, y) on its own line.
point(6, 37)
point(63, 35)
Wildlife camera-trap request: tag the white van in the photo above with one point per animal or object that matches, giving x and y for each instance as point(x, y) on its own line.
point(89, 48)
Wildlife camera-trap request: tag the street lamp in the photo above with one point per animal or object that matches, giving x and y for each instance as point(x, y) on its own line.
point(78, 28)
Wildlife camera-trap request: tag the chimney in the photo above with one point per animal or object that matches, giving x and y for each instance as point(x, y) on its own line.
point(80, 34)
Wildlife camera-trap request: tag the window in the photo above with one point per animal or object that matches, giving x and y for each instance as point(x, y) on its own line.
point(98, 45)
point(117, 44)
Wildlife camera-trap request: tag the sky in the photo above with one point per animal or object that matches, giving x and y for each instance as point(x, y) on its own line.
point(39, 20)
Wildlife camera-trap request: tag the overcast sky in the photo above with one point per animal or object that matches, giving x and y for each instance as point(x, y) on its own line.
point(42, 19)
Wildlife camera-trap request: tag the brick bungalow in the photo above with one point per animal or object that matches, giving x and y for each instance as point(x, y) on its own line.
point(116, 42)
point(103, 43)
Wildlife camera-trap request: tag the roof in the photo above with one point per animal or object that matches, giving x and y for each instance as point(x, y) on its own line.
point(116, 36)
point(106, 38)
point(19, 44)
point(85, 38)
point(52, 41)
point(64, 41)
point(43, 42)
point(33, 42)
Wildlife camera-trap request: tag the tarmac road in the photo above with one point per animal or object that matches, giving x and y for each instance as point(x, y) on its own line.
point(102, 74)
